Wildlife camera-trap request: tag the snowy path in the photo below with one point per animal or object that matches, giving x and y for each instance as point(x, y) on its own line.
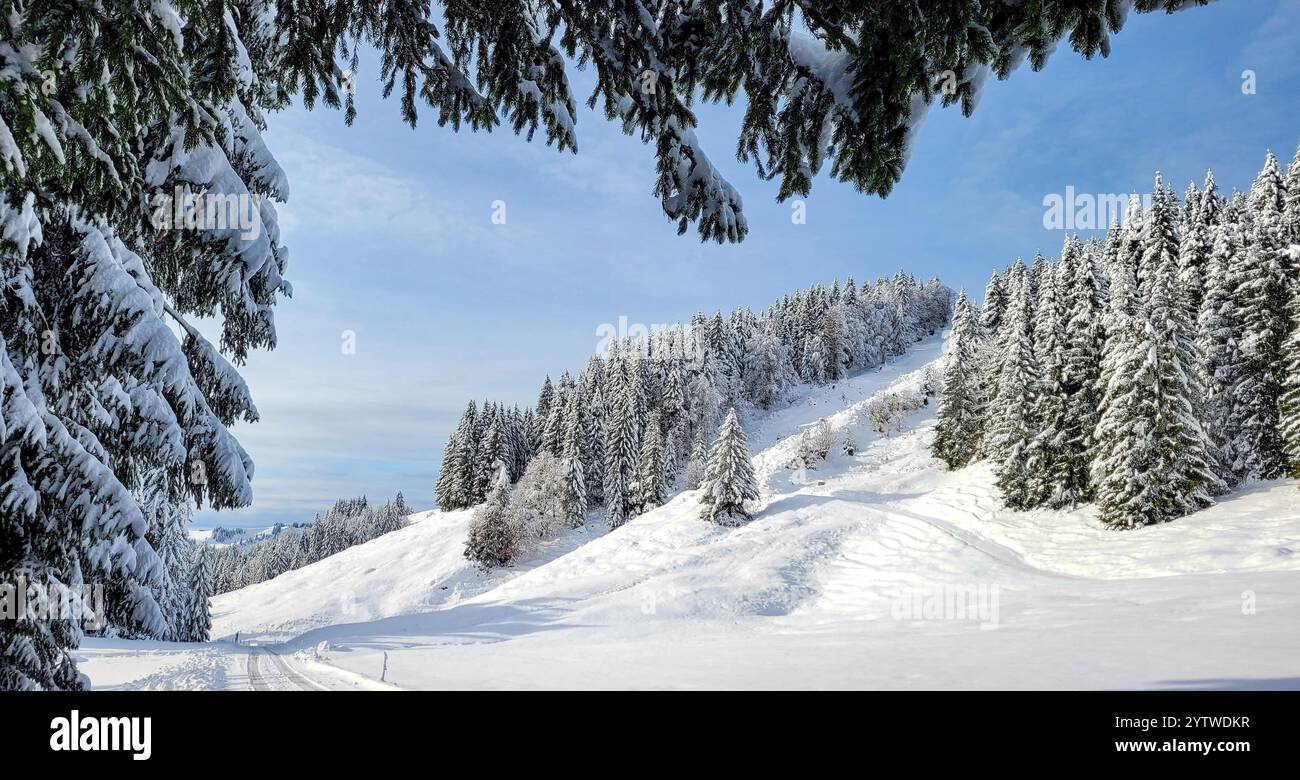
point(284, 676)
point(848, 577)
point(299, 681)
point(254, 675)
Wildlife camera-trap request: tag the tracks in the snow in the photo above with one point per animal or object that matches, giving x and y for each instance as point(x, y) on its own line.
point(258, 682)
point(255, 678)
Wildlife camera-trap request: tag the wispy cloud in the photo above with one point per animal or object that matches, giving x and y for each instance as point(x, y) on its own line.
point(1271, 49)
point(334, 191)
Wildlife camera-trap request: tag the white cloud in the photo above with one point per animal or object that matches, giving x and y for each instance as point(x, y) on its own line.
point(1271, 51)
point(335, 191)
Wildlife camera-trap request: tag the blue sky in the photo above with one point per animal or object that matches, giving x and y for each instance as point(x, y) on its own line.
point(391, 238)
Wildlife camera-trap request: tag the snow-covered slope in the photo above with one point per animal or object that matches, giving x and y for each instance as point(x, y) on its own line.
point(879, 570)
point(418, 568)
point(422, 567)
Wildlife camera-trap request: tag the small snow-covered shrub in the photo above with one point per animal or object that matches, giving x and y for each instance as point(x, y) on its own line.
point(888, 410)
point(931, 381)
point(850, 447)
point(536, 508)
point(493, 539)
point(815, 444)
point(513, 520)
point(693, 474)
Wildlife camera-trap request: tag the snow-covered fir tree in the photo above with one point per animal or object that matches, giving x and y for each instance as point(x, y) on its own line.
point(1118, 466)
point(959, 430)
point(1010, 427)
point(1261, 287)
point(1291, 208)
point(455, 478)
point(621, 446)
point(1195, 244)
point(1084, 303)
point(1289, 409)
point(649, 488)
point(995, 303)
point(553, 431)
point(493, 540)
point(195, 624)
point(1218, 328)
point(574, 500)
point(729, 478)
point(1049, 452)
point(696, 464)
point(593, 464)
point(1153, 464)
point(168, 514)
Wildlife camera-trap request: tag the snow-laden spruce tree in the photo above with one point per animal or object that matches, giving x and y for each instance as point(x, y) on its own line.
point(1152, 463)
point(960, 427)
point(168, 517)
point(990, 322)
point(1119, 469)
point(455, 478)
point(1218, 327)
point(103, 376)
point(729, 477)
point(1260, 280)
point(768, 372)
point(622, 443)
point(696, 465)
point(1291, 207)
point(593, 463)
point(553, 431)
point(493, 539)
point(545, 397)
point(1289, 410)
point(1049, 453)
point(995, 303)
point(1081, 372)
point(1196, 241)
point(196, 625)
point(574, 500)
point(1011, 427)
point(649, 487)
point(673, 402)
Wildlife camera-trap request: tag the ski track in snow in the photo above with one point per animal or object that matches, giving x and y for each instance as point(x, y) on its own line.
point(279, 672)
point(808, 595)
point(255, 680)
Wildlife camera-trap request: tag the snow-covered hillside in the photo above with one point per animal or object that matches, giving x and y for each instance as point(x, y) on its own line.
point(881, 570)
